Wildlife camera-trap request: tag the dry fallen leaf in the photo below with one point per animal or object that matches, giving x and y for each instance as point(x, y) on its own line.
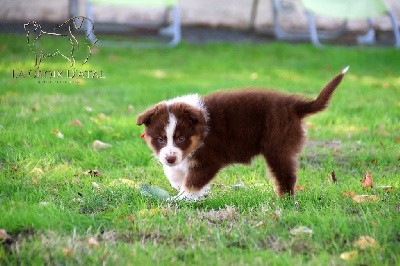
point(301, 230)
point(365, 198)
point(97, 145)
point(349, 255)
point(124, 181)
point(96, 185)
point(92, 173)
point(67, 252)
point(58, 133)
point(299, 188)
point(367, 182)
point(37, 171)
point(277, 214)
point(348, 194)
point(259, 224)
point(102, 116)
point(365, 242)
point(333, 177)
point(3, 234)
point(75, 122)
point(93, 242)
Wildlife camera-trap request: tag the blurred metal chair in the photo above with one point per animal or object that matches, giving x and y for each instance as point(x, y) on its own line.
point(171, 29)
point(340, 9)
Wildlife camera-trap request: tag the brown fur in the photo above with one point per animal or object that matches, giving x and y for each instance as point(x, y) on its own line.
point(241, 125)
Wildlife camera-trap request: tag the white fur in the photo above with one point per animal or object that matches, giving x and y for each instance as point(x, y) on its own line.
point(192, 196)
point(192, 100)
point(176, 174)
point(170, 149)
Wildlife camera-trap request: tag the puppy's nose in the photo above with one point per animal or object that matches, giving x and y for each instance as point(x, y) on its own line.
point(171, 159)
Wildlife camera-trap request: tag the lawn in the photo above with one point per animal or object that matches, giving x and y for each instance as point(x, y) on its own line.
point(56, 209)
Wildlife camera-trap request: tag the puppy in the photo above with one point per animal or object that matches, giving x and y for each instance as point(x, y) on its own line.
point(195, 137)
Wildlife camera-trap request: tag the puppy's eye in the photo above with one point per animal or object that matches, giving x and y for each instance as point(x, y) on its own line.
point(160, 139)
point(181, 139)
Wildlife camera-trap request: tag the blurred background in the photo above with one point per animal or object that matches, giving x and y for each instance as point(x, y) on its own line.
point(205, 20)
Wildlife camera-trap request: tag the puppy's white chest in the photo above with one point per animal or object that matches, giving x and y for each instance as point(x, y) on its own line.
point(176, 174)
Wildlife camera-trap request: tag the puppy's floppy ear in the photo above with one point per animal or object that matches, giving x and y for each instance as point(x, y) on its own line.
point(195, 116)
point(145, 118)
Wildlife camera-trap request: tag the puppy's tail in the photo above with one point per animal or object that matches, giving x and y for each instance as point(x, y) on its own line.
point(305, 108)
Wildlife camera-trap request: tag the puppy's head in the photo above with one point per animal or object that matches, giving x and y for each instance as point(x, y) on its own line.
point(173, 131)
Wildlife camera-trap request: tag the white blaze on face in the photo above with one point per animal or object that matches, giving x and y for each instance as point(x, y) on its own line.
point(170, 150)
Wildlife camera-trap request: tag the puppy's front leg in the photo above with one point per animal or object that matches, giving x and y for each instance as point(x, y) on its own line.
point(176, 174)
point(196, 185)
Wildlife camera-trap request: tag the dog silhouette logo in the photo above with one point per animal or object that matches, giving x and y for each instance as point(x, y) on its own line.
point(42, 43)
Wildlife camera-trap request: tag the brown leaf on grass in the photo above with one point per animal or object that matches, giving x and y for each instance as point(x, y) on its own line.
point(365, 242)
point(259, 224)
point(367, 182)
point(4, 235)
point(333, 177)
point(94, 184)
point(93, 242)
point(92, 173)
point(277, 214)
point(365, 198)
point(398, 139)
point(349, 255)
point(58, 133)
point(349, 194)
point(76, 123)
point(299, 188)
point(67, 252)
point(102, 116)
point(98, 145)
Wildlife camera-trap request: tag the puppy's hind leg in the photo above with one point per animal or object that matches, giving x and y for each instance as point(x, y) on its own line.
point(283, 168)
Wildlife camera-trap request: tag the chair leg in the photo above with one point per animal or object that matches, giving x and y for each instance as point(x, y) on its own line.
point(395, 29)
point(174, 29)
point(89, 14)
point(176, 26)
point(369, 37)
point(313, 30)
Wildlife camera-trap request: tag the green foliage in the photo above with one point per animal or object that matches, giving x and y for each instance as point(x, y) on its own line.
point(52, 209)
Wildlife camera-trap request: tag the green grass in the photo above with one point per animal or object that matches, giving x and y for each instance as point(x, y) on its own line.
point(51, 209)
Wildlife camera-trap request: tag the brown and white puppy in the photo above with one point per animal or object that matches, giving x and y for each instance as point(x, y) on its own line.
point(195, 137)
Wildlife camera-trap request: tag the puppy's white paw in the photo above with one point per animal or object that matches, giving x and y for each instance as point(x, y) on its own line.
point(192, 196)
